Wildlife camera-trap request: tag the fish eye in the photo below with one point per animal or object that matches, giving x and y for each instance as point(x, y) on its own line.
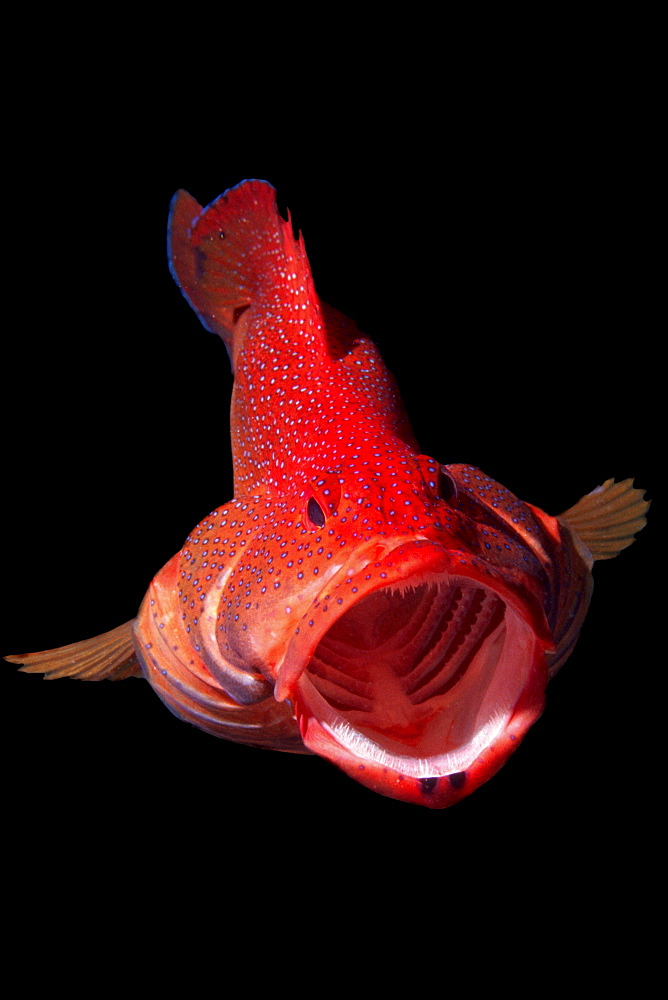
point(315, 513)
point(447, 487)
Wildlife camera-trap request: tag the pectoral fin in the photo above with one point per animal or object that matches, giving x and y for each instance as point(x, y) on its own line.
point(607, 519)
point(109, 656)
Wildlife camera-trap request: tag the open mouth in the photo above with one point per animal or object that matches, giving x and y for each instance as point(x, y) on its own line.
point(419, 677)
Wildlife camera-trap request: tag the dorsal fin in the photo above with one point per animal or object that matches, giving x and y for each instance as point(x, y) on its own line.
point(109, 656)
point(607, 519)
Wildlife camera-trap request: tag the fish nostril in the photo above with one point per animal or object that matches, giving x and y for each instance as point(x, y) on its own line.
point(239, 311)
point(447, 487)
point(315, 513)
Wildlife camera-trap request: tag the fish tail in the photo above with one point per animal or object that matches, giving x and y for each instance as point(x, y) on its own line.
point(607, 519)
point(228, 257)
point(109, 656)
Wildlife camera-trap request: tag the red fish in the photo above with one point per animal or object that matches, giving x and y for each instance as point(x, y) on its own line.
point(356, 599)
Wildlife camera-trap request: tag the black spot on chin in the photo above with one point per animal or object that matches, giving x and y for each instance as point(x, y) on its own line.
point(457, 780)
point(428, 785)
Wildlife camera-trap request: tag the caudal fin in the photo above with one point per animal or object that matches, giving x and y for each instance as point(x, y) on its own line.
point(233, 255)
point(109, 656)
point(607, 519)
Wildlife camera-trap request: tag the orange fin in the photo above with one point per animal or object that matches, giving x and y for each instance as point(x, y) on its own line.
point(110, 656)
point(607, 519)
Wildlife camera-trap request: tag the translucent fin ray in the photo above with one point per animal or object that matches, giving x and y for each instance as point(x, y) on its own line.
point(109, 656)
point(608, 519)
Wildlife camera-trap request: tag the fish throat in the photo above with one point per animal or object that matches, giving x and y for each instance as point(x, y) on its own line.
point(420, 676)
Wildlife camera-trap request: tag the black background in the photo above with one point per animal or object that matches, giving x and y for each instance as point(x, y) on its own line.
point(505, 267)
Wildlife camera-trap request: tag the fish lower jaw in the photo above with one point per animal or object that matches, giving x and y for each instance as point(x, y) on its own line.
point(424, 679)
point(365, 749)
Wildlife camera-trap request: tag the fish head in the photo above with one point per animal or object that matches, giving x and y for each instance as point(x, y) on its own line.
point(402, 620)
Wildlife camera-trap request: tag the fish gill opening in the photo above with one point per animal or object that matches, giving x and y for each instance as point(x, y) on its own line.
point(423, 671)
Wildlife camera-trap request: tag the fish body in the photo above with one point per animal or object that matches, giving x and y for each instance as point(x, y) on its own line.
point(356, 598)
